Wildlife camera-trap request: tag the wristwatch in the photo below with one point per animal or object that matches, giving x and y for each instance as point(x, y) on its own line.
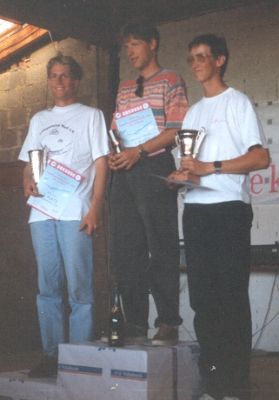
point(142, 152)
point(217, 167)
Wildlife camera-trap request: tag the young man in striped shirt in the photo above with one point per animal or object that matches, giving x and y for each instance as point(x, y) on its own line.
point(144, 233)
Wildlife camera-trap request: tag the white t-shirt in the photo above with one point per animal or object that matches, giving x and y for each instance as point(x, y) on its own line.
point(76, 136)
point(232, 126)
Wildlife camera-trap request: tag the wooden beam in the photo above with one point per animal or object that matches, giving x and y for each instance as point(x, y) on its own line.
point(19, 39)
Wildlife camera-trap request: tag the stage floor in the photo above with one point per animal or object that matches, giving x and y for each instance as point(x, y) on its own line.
point(264, 372)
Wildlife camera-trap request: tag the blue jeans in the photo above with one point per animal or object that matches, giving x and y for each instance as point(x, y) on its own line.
point(64, 255)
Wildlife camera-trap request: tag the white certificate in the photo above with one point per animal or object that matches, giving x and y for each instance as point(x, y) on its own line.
point(136, 125)
point(57, 184)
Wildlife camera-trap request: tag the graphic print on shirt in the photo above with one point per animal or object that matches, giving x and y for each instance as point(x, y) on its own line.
point(57, 140)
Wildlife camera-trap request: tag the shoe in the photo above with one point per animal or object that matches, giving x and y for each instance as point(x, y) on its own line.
point(206, 396)
point(47, 368)
point(135, 334)
point(166, 336)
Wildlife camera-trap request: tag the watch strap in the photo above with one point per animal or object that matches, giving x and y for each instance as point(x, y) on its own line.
point(142, 152)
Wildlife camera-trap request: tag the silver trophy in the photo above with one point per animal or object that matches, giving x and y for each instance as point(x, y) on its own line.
point(115, 141)
point(189, 141)
point(38, 161)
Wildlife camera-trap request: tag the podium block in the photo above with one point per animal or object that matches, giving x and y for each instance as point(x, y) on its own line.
point(96, 371)
point(17, 386)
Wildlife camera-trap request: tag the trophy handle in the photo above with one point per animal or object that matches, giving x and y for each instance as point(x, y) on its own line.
point(199, 139)
point(176, 139)
point(115, 142)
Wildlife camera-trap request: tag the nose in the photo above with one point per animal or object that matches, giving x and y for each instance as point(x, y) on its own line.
point(129, 52)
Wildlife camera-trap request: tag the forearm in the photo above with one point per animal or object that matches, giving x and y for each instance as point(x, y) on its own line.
point(99, 188)
point(253, 160)
point(29, 186)
point(164, 139)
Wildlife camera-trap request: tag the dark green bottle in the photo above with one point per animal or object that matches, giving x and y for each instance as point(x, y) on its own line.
point(116, 322)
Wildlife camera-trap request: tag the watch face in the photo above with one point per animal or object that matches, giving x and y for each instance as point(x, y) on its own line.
point(217, 166)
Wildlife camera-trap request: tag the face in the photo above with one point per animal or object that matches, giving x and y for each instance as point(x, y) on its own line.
point(63, 85)
point(140, 53)
point(204, 66)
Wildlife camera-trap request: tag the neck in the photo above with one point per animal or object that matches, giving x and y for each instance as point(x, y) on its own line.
point(213, 88)
point(64, 102)
point(150, 69)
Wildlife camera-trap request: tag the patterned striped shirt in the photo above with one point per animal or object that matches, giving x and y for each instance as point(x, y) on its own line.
point(165, 93)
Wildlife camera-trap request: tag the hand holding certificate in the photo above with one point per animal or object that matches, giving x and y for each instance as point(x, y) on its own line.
point(136, 125)
point(57, 185)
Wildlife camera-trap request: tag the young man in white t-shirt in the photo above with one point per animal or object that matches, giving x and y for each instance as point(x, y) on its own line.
point(217, 221)
point(74, 135)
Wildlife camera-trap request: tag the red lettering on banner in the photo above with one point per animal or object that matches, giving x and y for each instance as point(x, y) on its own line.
point(256, 184)
point(274, 181)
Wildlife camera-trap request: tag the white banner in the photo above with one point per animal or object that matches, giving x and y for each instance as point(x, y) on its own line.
point(264, 184)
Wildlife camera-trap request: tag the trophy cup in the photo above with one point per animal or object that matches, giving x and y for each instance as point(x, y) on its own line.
point(189, 141)
point(38, 161)
point(115, 142)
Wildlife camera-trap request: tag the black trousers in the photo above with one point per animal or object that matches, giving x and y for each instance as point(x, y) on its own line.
point(144, 245)
point(217, 244)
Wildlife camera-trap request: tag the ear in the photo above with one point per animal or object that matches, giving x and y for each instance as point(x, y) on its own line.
point(220, 61)
point(153, 44)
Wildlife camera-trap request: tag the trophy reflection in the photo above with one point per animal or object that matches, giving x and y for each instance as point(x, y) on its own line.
point(38, 161)
point(189, 141)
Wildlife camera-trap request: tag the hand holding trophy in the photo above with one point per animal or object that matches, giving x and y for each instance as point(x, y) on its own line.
point(38, 161)
point(188, 142)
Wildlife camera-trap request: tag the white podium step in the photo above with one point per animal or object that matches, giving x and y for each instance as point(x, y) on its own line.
point(146, 372)
point(95, 371)
point(17, 386)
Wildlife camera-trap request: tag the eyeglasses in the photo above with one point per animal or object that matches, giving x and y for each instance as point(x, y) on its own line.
point(139, 88)
point(52, 77)
point(200, 58)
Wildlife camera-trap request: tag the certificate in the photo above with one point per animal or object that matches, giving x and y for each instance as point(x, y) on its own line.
point(57, 185)
point(136, 125)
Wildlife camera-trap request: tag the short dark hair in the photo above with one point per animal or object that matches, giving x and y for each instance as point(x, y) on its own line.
point(75, 69)
point(217, 45)
point(143, 31)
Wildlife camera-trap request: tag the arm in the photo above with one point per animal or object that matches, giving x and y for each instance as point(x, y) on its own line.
point(255, 159)
point(128, 157)
point(92, 220)
point(29, 185)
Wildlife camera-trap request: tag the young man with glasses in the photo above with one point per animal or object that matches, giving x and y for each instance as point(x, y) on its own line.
point(217, 221)
point(74, 136)
point(144, 233)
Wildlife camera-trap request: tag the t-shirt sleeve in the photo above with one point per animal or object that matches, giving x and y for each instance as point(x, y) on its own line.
point(176, 103)
point(99, 143)
point(250, 124)
point(31, 141)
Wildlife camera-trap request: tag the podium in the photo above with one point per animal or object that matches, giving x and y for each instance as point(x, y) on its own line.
point(96, 371)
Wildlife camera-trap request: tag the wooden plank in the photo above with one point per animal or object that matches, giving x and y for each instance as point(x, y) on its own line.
point(20, 39)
